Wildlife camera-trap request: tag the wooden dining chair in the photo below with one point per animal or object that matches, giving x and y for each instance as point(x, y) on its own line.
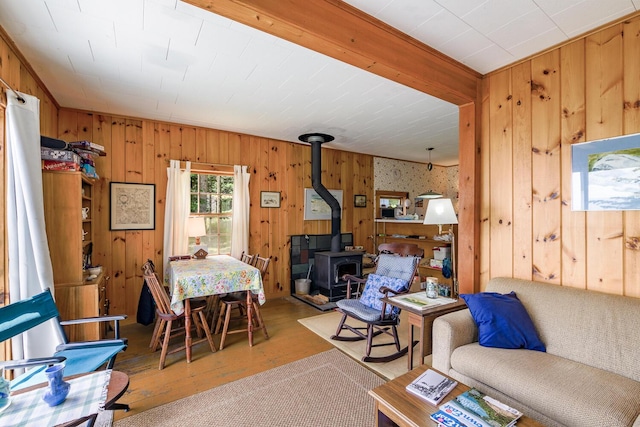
point(239, 300)
point(165, 327)
point(247, 258)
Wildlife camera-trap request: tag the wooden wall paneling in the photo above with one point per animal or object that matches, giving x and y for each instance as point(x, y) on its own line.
point(68, 126)
point(201, 145)
point(545, 107)
point(631, 115)
point(116, 288)
point(572, 77)
point(233, 148)
point(604, 71)
point(485, 186)
point(258, 160)
point(133, 147)
point(188, 144)
point(175, 138)
point(501, 176)
point(212, 146)
point(162, 147)
point(294, 197)
point(522, 179)
point(278, 249)
point(469, 201)
point(149, 177)
point(102, 248)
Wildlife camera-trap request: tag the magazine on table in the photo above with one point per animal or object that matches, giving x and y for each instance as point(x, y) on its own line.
point(474, 408)
point(446, 420)
point(420, 301)
point(431, 386)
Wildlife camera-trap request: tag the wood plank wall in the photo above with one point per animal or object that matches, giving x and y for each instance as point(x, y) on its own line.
point(531, 114)
point(138, 151)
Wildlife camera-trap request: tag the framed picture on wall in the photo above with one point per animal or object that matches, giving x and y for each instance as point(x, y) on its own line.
point(605, 174)
point(269, 199)
point(316, 208)
point(132, 206)
point(360, 201)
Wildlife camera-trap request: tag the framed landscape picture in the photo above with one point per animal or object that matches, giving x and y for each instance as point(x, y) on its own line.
point(132, 206)
point(269, 199)
point(315, 207)
point(605, 174)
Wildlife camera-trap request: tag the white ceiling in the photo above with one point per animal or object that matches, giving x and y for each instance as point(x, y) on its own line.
point(167, 60)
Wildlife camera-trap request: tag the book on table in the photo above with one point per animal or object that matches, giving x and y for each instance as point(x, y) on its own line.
point(475, 409)
point(420, 301)
point(431, 386)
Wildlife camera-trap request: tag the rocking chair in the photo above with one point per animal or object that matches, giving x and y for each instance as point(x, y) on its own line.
point(397, 265)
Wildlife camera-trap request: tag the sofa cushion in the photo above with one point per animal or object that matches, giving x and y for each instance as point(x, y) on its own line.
point(569, 392)
point(502, 321)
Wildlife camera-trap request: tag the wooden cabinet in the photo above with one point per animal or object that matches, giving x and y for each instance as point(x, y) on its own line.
point(413, 231)
point(69, 232)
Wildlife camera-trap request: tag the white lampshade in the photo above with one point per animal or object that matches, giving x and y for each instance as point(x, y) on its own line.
point(196, 227)
point(439, 212)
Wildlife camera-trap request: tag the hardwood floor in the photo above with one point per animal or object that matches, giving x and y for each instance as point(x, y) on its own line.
point(150, 387)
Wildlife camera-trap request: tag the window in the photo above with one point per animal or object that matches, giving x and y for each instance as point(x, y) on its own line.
point(212, 198)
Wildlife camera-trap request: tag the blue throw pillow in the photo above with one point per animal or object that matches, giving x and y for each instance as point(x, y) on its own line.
point(502, 321)
point(371, 294)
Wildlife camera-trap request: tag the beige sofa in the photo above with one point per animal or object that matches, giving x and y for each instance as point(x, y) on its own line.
point(590, 373)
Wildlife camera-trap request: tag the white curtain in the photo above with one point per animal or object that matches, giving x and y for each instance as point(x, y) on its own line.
point(241, 203)
point(177, 209)
point(30, 270)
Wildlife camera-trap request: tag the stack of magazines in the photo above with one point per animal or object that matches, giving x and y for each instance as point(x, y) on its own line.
point(474, 409)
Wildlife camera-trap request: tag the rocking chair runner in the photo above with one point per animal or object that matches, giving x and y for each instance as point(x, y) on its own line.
point(397, 265)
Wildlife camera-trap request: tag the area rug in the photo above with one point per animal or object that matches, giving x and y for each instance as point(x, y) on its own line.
point(325, 325)
point(327, 389)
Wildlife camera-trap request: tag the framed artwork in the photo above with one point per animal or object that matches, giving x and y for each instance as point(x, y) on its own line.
point(360, 201)
point(605, 174)
point(269, 199)
point(316, 208)
point(132, 206)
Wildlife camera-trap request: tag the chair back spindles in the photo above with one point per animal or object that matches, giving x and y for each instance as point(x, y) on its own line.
point(247, 258)
point(157, 291)
point(262, 264)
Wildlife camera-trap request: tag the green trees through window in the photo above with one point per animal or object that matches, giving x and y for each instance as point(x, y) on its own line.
point(212, 198)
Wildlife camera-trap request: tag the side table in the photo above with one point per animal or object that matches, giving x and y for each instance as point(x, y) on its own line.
point(424, 321)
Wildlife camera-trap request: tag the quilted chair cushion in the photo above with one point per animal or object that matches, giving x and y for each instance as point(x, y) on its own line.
point(369, 306)
point(396, 266)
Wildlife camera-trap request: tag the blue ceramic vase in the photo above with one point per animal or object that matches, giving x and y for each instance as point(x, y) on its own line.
point(58, 388)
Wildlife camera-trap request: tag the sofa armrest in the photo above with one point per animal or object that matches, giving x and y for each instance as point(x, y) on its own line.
point(450, 332)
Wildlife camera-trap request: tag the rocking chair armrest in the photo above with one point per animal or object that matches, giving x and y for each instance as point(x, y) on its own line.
point(116, 318)
point(91, 344)
point(350, 277)
point(386, 291)
point(94, 319)
point(26, 363)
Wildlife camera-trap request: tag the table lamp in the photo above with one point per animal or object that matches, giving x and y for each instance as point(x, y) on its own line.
point(439, 212)
point(196, 228)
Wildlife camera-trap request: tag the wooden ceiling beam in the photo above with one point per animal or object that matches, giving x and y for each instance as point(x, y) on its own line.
point(338, 30)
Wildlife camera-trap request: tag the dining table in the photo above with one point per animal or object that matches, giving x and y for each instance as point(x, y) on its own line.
point(213, 275)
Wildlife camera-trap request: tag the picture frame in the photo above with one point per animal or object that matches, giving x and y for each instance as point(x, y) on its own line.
point(360, 201)
point(132, 206)
point(605, 174)
point(315, 208)
point(269, 199)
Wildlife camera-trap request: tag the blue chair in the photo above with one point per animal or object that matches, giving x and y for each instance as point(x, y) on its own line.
point(397, 265)
point(81, 357)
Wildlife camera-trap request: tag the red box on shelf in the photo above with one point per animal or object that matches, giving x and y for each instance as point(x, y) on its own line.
point(55, 165)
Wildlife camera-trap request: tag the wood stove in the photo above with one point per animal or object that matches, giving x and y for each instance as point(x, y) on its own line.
point(329, 269)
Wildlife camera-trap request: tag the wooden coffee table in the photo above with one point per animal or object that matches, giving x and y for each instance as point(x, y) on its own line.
point(395, 406)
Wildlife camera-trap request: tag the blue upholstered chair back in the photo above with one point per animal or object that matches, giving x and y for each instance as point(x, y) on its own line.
point(21, 316)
